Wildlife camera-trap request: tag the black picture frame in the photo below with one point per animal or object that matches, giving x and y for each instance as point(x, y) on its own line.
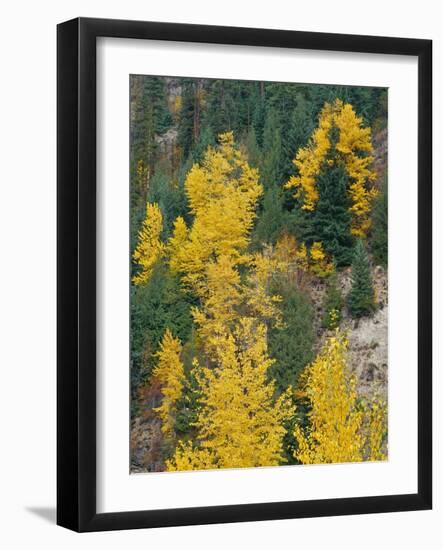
point(76, 265)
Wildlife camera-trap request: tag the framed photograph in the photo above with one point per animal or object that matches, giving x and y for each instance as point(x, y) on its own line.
point(244, 274)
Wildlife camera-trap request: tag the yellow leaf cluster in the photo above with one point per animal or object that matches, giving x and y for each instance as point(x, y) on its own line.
point(222, 194)
point(170, 372)
point(340, 429)
point(335, 422)
point(353, 148)
point(189, 457)
point(319, 263)
point(221, 295)
point(376, 429)
point(309, 159)
point(240, 424)
point(149, 248)
point(177, 240)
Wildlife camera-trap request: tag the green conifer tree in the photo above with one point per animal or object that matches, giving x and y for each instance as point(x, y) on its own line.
point(332, 304)
point(361, 297)
point(270, 173)
point(299, 129)
point(331, 219)
point(252, 148)
point(291, 345)
point(272, 216)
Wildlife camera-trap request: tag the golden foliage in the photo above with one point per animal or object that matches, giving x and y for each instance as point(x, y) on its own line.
point(222, 194)
point(240, 424)
point(149, 248)
point(177, 240)
point(220, 294)
point(188, 457)
point(319, 263)
point(340, 429)
point(353, 148)
point(376, 429)
point(170, 372)
point(240, 420)
point(335, 421)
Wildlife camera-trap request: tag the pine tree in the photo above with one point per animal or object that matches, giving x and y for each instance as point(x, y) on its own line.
point(291, 343)
point(332, 303)
point(331, 220)
point(156, 306)
point(206, 139)
point(185, 137)
point(272, 219)
point(252, 149)
point(270, 168)
point(361, 295)
point(299, 129)
point(259, 115)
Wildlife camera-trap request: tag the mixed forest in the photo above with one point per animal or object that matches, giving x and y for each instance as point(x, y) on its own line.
point(259, 225)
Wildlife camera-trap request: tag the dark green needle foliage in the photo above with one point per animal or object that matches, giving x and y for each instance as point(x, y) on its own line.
point(291, 346)
point(332, 303)
point(361, 297)
point(331, 220)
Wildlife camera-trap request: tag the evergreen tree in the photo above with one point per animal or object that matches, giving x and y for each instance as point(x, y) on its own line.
point(272, 218)
point(291, 343)
point(361, 296)
point(156, 306)
point(270, 173)
point(379, 238)
point(169, 194)
point(331, 219)
point(258, 117)
point(206, 139)
point(332, 304)
point(340, 139)
point(297, 134)
point(185, 136)
point(252, 148)
point(151, 117)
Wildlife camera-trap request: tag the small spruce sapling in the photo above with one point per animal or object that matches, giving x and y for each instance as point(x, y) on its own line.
point(361, 297)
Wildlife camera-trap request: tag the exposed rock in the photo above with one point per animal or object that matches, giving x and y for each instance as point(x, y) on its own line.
point(146, 446)
point(368, 337)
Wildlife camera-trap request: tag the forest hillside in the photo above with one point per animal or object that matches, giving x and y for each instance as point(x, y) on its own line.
point(259, 295)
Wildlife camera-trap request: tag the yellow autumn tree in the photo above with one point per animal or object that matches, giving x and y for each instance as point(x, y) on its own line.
point(319, 263)
point(240, 423)
point(222, 194)
point(170, 373)
point(220, 295)
point(149, 247)
point(375, 428)
point(353, 149)
point(339, 429)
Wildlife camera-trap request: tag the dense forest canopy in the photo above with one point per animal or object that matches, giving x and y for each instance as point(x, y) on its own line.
point(258, 219)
